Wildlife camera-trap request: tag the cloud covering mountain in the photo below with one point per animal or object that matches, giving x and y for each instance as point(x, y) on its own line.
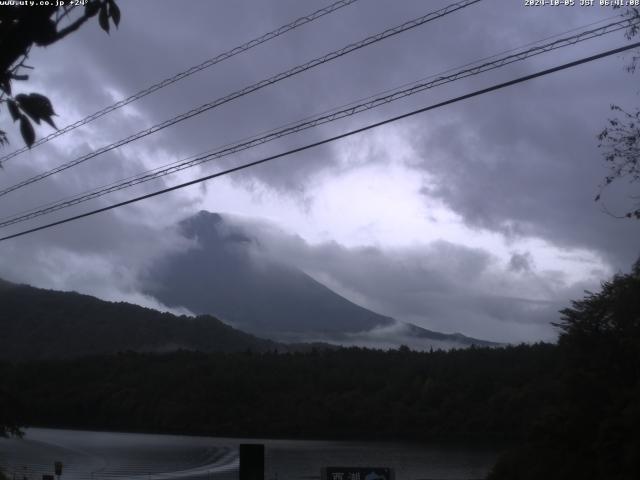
point(227, 271)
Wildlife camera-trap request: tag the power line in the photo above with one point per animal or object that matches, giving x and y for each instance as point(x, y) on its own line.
point(186, 73)
point(330, 139)
point(252, 88)
point(353, 109)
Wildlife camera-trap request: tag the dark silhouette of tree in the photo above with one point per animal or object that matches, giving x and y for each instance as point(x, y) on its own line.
point(620, 139)
point(621, 143)
point(606, 317)
point(592, 433)
point(22, 27)
point(10, 417)
point(25, 26)
point(473, 395)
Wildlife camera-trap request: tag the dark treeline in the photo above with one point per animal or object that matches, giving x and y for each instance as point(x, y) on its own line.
point(591, 428)
point(474, 394)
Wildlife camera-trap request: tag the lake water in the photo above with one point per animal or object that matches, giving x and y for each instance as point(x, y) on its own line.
point(113, 456)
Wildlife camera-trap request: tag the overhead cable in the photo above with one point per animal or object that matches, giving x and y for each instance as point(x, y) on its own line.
point(330, 139)
point(251, 88)
point(351, 110)
point(186, 73)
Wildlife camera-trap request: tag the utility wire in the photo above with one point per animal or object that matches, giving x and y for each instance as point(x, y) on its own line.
point(252, 88)
point(352, 109)
point(359, 100)
point(318, 120)
point(105, 189)
point(186, 73)
point(158, 171)
point(331, 139)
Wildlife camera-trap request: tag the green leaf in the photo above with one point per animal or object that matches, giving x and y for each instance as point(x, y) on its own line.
point(49, 120)
point(37, 106)
point(91, 8)
point(13, 110)
point(28, 107)
point(103, 18)
point(42, 103)
point(114, 12)
point(5, 84)
point(44, 32)
point(26, 129)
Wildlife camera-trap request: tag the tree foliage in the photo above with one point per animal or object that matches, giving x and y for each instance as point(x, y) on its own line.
point(593, 433)
point(478, 394)
point(609, 318)
point(620, 139)
point(25, 26)
point(10, 414)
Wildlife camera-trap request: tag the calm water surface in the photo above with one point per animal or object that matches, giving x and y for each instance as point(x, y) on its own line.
point(114, 456)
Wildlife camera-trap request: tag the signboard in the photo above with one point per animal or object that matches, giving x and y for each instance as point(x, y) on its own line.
point(251, 461)
point(357, 473)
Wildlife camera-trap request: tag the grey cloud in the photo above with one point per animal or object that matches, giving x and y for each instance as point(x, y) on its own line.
point(527, 166)
point(440, 286)
point(521, 161)
point(153, 43)
point(520, 262)
point(101, 257)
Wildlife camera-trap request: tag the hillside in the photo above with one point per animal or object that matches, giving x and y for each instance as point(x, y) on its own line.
point(225, 269)
point(43, 324)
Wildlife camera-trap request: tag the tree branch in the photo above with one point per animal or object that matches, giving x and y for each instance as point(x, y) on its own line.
point(69, 29)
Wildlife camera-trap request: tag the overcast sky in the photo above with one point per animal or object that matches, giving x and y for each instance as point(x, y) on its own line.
point(476, 218)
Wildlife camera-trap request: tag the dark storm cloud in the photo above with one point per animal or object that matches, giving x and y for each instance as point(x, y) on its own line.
point(100, 255)
point(520, 262)
point(520, 162)
point(157, 40)
point(529, 166)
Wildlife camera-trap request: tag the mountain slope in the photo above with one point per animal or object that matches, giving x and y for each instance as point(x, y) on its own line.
point(222, 276)
point(226, 274)
point(41, 324)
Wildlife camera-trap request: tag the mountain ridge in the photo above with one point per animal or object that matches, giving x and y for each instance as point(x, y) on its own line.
point(39, 324)
point(226, 273)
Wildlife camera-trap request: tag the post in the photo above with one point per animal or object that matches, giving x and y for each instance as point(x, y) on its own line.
point(251, 461)
point(57, 466)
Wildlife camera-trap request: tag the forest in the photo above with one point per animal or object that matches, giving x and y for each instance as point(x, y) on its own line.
point(347, 393)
